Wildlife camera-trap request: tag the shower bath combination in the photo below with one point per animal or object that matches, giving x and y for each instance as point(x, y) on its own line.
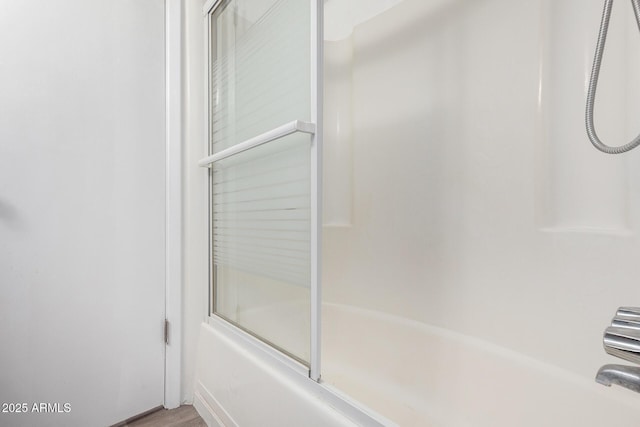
point(457, 234)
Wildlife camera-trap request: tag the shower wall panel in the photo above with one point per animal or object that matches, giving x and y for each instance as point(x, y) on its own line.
point(468, 146)
point(580, 188)
point(338, 135)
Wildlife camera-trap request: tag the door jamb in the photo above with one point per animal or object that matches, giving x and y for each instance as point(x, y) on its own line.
point(173, 207)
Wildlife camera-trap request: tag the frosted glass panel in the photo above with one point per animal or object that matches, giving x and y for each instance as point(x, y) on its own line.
point(260, 79)
point(260, 75)
point(261, 241)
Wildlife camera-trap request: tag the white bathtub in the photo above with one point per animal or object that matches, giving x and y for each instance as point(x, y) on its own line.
point(402, 373)
point(418, 375)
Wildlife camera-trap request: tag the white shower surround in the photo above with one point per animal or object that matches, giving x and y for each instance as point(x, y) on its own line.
point(479, 204)
point(475, 279)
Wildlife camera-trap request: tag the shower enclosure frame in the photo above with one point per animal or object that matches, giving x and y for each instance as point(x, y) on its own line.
point(316, 67)
point(305, 380)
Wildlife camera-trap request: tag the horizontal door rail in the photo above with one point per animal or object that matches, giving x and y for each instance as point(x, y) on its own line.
point(273, 134)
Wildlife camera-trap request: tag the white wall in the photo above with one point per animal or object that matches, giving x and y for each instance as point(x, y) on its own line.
point(479, 204)
point(81, 208)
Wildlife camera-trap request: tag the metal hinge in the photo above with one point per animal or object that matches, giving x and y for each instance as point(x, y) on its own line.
point(166, 331)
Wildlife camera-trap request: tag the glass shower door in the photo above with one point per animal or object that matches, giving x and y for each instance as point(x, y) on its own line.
point(263, 168)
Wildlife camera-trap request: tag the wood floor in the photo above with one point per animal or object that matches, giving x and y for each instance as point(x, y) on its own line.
point(184, 416)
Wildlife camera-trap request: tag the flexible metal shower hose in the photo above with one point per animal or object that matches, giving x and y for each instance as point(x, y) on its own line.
point(593, 82)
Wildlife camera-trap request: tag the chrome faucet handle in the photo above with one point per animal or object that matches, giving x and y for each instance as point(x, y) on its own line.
point(623, 343)
point(628, 312)
point(625, 322)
